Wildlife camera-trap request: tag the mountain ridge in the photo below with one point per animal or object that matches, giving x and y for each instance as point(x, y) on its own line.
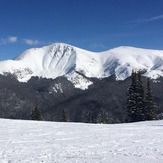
point(60, 59)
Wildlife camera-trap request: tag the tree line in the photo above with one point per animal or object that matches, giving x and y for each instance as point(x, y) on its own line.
point(140, 106)
point(37, 115)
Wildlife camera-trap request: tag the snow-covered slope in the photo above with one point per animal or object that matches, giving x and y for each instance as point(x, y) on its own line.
point(65, 60)
point(51, 142)
point(122, 60)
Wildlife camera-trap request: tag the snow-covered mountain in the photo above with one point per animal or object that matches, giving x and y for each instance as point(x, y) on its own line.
point(61, 59)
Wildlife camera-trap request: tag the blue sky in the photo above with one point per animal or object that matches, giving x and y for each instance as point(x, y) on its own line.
point(94, 25)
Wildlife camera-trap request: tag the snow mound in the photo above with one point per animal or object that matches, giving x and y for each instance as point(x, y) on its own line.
point(61, 59)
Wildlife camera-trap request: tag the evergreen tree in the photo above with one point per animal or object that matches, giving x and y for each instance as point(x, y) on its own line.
point(135, 101)
point(139, 98)
point(36, 114)
point(91, 117)
point(138, 107)
point(64, 116)
point(131, 100)
point(103, 117)
point(150, 107)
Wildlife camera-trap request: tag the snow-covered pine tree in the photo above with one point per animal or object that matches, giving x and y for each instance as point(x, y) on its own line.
point(36, 114)
point(150, 107)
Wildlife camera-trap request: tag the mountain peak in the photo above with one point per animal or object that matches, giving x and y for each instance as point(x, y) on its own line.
point(60, 59)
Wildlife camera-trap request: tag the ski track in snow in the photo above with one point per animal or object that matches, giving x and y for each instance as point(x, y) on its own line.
point(52, 142)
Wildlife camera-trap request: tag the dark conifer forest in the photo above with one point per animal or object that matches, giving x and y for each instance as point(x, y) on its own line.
point(105, 101)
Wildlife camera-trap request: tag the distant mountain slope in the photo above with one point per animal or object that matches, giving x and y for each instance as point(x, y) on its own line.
point(54, 95)
point(61, 59)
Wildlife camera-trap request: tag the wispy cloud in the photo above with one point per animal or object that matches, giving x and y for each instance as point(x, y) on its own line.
point(146, 20)
point(32, 42)
point(159, 17)
point(10, 39)
point(14, 39)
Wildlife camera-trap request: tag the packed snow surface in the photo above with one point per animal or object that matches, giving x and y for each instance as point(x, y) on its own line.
point(54, 142)
point(61, 59)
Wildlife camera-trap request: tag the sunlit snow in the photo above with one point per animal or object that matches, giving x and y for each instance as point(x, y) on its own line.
point(54, 142)
point(61, 59)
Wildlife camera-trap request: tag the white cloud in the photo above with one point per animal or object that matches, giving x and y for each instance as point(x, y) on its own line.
point(155, 18)
point(145, 20)
point(32, 42)
point(10, 39)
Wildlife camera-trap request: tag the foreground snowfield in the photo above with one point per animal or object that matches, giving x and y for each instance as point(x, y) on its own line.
point(51, 142)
